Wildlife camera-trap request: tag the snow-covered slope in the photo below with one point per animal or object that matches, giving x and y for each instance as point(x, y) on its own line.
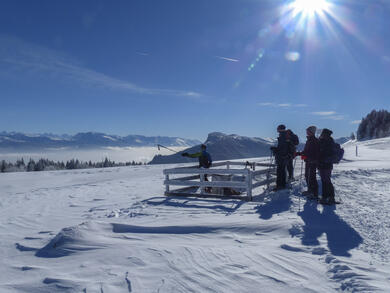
point(112, 230)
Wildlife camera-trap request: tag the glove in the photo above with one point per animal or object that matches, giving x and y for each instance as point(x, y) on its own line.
point(273, 148)
point(184, 154)
point(298, 154)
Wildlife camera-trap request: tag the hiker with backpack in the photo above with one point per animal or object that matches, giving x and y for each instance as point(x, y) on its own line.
point(203, 156)
point(330, 153)
point(310, 155)
point(205, 161)
point(281, 153)
point(293, 140)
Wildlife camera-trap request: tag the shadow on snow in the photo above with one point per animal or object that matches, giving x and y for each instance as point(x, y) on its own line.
point(280, 202)
point(341, 237)
point(222, 205)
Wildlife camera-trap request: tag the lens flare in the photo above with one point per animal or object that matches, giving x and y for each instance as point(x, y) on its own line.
point(292, 56)
point(309, 7)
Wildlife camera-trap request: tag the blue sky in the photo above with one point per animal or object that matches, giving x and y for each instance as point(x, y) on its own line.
point(187, 68)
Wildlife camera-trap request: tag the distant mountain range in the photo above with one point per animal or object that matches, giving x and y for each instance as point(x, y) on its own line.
point(89, 140)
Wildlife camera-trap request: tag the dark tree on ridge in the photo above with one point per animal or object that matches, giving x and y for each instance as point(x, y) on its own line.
point(375, 125)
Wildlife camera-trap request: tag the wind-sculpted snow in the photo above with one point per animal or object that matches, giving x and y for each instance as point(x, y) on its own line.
point(68, 241)
point(112, 230)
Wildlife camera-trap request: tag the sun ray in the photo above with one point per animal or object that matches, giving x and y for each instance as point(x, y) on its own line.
point(309, 8)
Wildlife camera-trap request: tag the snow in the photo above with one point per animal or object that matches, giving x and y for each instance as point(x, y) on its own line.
point(110, 138)
point(12, 139)
point(112, 230)
point(180, 141)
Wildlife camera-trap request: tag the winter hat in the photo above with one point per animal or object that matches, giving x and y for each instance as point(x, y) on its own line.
point(281, 127)
point(312, 129)
point(327, 132)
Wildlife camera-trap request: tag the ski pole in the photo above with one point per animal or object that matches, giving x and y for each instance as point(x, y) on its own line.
point(295, 162)
point(161, 146)
point(300, 184)
point(175, 152)
point(269, 172)
point(300, 177)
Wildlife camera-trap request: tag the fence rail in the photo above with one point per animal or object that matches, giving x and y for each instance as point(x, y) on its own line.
point(227, 182)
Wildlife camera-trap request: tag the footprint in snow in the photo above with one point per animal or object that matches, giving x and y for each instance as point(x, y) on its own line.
point(319, 251)
point(291, 248)
point(45, 232)
point(24, 248)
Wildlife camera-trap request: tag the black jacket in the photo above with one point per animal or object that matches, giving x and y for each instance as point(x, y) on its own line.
point(282, 151)
point(326, 153)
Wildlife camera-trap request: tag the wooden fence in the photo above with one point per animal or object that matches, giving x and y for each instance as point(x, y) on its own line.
point(228, 180)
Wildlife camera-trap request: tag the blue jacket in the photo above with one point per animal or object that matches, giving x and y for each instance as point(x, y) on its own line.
point(204, 157)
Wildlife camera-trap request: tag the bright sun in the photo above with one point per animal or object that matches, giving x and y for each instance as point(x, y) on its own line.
point(309, 7)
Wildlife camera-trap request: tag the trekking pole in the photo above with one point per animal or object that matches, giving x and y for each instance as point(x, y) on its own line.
point(300, 183)
point(295, 162)
point(269, 171)
point(161, 146)
point(300, 177)
point(175, 152)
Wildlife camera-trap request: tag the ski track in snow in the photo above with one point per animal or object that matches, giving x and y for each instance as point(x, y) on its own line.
point(111, 230)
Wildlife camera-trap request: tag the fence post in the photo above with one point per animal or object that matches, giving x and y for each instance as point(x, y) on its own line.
point(166, 185)
point(202, 188)
point(268, 177)
point(249, 185)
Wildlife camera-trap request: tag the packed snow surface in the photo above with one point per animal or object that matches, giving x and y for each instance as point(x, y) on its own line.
point(112, 230)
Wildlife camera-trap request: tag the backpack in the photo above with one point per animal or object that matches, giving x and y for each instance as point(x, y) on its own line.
point(294, 139)
point(337, 153)
point(204, 161)
point(292, 144)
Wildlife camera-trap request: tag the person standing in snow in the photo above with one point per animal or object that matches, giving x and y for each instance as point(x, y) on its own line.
point(325, 166)
point(281, 153)
point(203, 156)
point(205, 161)
point(293, 139)
point(310, 155)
